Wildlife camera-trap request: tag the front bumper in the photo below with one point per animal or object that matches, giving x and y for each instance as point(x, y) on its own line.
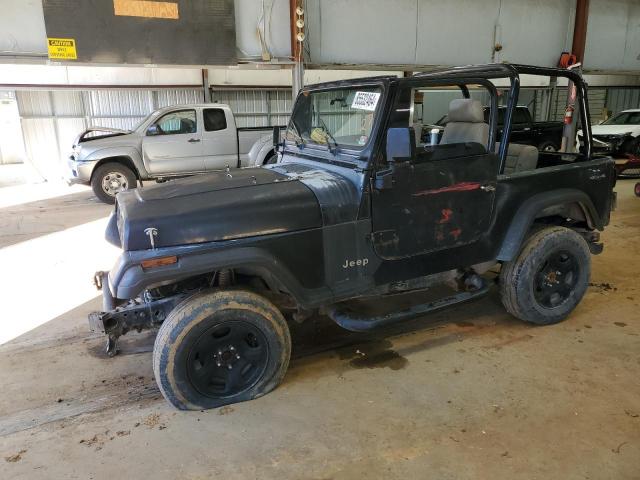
point(78, 171)
point(605, 144)
point(116, 320)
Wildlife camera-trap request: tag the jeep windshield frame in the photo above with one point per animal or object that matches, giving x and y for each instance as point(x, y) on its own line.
point(341, 143)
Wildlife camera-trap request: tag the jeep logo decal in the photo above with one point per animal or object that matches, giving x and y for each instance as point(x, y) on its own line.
point(361, 262)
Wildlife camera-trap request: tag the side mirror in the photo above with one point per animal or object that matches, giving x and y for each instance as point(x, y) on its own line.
point(401, 147)
point(153, 130)
point(401, 144)
point(276, 137)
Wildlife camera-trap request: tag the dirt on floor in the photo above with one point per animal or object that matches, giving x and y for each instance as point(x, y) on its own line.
point(467, 393)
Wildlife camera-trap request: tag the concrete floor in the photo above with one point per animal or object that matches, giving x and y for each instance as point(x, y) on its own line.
point(466, 393)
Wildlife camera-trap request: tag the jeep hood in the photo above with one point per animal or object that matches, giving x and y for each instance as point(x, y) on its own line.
point(214, 207)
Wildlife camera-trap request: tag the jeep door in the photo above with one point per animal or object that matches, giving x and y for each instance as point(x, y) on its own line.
point(441, 195)
point(219, 139)
point(173, 144)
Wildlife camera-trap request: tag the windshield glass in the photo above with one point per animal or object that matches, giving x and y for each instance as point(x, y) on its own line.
point(624, 118)
point(335, 118)
point(141, 122)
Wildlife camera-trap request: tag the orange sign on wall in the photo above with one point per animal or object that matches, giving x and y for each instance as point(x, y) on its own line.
point(148, 9)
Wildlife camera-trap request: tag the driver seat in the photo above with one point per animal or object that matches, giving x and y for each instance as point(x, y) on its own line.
point(466, 123)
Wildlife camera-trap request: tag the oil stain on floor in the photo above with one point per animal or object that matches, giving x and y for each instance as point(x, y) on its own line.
point(373, 354)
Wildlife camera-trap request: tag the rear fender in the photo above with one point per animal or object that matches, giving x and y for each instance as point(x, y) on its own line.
point(541, 205)
point(260, 151)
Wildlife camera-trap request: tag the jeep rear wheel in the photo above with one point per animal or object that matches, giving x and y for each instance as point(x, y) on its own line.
point(219, 348)
point(549, 277)
point(110, 179)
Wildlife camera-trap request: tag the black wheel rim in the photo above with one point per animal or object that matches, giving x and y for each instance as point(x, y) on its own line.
point(556, 279)
point(227, 359)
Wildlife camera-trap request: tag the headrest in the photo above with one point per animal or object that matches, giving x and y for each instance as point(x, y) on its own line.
point(466, 110)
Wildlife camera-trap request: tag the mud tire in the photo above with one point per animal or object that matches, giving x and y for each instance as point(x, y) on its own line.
point(200, 316)
point(520, 278)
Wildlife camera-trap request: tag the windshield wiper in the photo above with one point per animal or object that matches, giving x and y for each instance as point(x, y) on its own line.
point(299, 141)
point(329, 135)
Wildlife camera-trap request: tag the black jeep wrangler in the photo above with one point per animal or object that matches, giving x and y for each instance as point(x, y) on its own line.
point(356, 209)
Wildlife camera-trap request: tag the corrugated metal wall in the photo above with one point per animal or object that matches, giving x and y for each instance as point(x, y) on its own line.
point(257, 107)
point(11, 146)
point(52, 119)
point(619, 99)
point(599, 103)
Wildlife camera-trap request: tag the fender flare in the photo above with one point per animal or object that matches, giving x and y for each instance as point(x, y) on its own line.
point(260, 150)
point(131, 154)
point(127, 279)
point(527, 213)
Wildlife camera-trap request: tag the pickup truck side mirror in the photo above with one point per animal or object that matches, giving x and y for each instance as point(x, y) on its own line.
point(276, 137)
point(153, 130)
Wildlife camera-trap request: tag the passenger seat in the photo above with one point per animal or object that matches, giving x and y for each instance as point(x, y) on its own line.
point(520, 158)
point(466, 123)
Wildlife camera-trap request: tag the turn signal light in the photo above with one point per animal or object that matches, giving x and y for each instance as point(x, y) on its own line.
point(159, 262)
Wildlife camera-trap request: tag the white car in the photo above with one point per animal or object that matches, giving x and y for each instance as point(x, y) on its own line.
point(619, 135)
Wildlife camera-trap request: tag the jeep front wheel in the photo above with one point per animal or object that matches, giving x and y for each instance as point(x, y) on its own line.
point(548, 278)
point(219, 348)
point(110, 179)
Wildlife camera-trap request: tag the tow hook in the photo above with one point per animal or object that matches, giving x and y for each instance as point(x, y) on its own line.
point(97, 279)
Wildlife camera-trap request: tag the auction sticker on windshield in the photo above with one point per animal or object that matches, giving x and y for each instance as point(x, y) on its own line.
point(365, 101)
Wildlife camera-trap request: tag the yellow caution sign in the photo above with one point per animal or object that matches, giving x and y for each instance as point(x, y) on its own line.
point(62, 49)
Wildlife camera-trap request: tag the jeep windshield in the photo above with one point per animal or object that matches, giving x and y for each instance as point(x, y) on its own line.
point(335, 118)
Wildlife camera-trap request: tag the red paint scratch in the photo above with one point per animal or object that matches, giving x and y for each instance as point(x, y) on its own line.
point(455, 233)
point(457, 187)
point(446, 215)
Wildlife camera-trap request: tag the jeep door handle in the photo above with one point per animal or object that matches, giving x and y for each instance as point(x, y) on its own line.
point(488, 188)
point(193, 140)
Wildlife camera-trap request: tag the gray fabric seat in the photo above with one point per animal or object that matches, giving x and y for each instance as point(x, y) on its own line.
point(520, 158)
point(466, 123)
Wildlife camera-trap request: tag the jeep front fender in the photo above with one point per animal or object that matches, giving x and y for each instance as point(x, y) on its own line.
point(127, 279)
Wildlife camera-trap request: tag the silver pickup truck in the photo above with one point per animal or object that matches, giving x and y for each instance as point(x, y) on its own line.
point(170, 142)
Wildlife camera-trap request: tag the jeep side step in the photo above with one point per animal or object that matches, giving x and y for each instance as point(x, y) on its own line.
point(350, 320)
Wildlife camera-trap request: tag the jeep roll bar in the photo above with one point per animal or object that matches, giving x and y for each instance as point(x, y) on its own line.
point(513, 72)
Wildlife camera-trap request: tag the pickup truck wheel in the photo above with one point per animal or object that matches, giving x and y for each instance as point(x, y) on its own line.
point(548, 146)
point(270, 158)
point(548, 278)
point(111, 178)
point(221, 347)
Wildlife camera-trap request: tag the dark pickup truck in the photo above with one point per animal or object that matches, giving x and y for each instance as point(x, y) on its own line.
point(356, 211)
point(545, 136)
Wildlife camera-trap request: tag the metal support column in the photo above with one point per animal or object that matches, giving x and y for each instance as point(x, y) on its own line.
point(572, 112)
point(296, 13)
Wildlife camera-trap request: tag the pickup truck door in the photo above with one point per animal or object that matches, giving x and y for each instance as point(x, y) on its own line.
point(521, 127)
point(173, 144)
point(441, 198)
point(219, 139)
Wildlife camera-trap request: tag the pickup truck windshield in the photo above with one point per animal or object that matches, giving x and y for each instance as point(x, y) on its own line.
point(342, 117)
point(624, 118)
point(141, 122)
